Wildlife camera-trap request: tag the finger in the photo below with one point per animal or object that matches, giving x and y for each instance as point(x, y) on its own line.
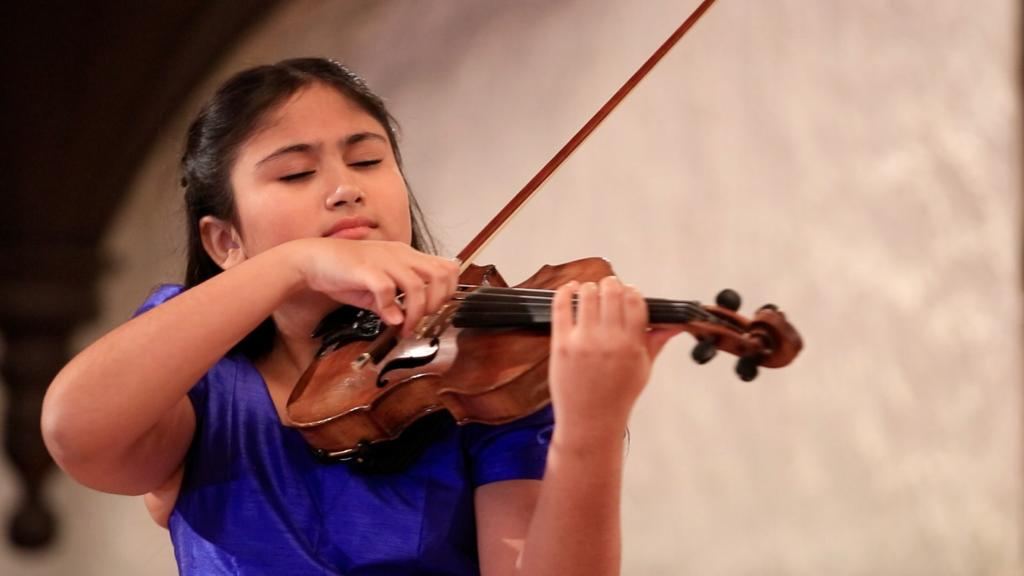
point(414, 296)
point(588, 309)
point(561, 311)
point(635, 313)
point(437, 294)
point(612, 305)
point(443, 283)
point(435, 291)
point(441, 278)
point(456, 275)
point(455, 272)
point(384, 291)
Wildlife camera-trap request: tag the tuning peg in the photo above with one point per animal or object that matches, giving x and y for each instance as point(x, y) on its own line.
point(704, 351)
point(746, 367)
point(728, 299)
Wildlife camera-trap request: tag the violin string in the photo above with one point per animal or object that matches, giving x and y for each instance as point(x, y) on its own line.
point(544, 299)
point(525, 319)
point(496, 298)
point(518, 304)
point(487, 291)
point(533, 305)
point(471, 290)
point(545, 312)
point(654, 307)
point(520, 294)
point(509, 307)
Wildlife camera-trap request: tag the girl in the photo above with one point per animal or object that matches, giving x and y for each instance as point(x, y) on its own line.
point(297, 203)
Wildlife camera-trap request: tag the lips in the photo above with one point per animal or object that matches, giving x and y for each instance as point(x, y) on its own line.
point(352, 228)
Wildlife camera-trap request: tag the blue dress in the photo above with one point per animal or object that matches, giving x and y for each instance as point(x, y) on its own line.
point(255, 500)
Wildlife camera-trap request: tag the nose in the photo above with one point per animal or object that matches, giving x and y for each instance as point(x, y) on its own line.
point(344, 194)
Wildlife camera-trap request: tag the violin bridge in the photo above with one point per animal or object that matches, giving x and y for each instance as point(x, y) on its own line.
point(424, 325)
point(433, 325)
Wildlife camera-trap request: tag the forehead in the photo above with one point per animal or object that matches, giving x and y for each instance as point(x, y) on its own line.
point(316, 113)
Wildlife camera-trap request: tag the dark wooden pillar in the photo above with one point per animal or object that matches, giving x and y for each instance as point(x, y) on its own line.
point(39, 350)
point(89, 84)
point(46, 293)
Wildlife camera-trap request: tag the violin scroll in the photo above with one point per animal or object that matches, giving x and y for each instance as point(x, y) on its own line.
point(767, 339)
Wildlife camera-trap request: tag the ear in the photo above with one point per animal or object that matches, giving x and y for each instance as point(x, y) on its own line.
point(221, 241)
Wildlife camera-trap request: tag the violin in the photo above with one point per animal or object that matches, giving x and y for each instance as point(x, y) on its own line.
point(483, 357)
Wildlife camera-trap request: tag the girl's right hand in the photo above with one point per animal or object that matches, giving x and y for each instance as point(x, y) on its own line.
point(370, 274)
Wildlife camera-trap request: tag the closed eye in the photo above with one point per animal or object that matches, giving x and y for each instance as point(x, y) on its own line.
point(366, 163)
point(297, 176)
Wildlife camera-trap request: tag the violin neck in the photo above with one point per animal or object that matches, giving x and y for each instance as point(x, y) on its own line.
point(529, 308)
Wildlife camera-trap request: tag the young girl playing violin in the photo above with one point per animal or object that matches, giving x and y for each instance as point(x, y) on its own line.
point(297, 204)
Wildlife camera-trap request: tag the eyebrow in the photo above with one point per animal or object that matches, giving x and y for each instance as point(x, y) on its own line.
point(305, 147)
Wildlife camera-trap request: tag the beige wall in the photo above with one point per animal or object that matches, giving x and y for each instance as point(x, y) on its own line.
point(855, 162)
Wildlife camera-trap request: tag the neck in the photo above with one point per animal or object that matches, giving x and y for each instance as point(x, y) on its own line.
point(294, 347)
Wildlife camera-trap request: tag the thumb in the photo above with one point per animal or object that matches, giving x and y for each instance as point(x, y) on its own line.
point(658, 337)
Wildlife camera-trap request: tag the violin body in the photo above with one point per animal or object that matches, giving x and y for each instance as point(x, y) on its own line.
point(478, 374)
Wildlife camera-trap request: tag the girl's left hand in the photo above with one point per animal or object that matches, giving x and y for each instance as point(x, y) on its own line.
point(601, 359)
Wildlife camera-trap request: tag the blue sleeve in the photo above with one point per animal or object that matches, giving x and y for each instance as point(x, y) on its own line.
point(514, 451)
point(159, 295)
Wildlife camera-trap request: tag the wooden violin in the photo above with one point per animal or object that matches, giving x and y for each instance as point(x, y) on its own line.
point(483, 357)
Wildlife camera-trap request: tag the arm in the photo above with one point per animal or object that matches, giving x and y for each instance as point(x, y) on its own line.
point(160, 502)
point(570, 523)
point(117, 417)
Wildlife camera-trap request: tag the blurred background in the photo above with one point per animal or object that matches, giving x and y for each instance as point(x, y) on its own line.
point(856, 163)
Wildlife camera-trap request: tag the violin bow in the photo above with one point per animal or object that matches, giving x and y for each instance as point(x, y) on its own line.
point(481, 240)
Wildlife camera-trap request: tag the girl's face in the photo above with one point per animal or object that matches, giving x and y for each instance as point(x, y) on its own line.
point(318, 166)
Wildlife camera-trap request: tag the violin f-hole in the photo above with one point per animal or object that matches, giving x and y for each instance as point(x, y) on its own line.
point(412, 357)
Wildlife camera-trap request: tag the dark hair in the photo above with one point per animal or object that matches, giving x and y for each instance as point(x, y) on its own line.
point(226, 121)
